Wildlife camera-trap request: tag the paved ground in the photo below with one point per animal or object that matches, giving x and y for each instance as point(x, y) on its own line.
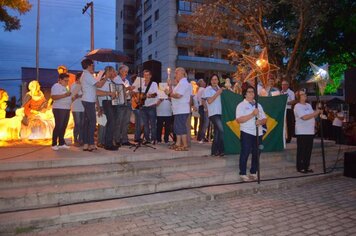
point(319, 208)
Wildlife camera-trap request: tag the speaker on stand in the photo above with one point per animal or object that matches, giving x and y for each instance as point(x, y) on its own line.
point(350, 164)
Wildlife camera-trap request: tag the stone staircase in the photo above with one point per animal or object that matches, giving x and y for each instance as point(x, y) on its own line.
point(51, 191)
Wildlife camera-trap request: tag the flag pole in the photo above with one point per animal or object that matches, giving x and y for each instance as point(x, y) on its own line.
point(257, 135)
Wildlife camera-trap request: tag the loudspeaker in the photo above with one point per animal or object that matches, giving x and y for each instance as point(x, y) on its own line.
point(156, 68)
point(350, 164)
point(350, 85)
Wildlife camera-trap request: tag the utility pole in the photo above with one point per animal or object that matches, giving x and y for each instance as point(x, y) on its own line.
point(38, 41)
point(91, 5)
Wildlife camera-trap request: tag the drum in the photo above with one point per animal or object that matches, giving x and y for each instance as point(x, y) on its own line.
point(120, 98)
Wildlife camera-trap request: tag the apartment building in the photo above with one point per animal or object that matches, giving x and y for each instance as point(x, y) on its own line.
point(159, 36)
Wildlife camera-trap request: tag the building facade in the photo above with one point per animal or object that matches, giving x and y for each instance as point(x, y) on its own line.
point(159, 36)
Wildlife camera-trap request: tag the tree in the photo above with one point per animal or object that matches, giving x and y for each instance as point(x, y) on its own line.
point(12, 22)
point(283, 27)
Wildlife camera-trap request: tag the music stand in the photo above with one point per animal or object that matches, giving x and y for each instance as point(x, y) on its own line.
point(140, 144)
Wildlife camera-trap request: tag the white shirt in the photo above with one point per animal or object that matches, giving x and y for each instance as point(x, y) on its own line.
point(338, 122)
point(62, 103)
point(245, 108)
point(126, 83)
point(303, 126)
point(88, 86)
point(182, 105)
point(214, 108)
point(199, 95)
point(77, 105)
point(153, 89)
point(165, 107)
point(291, 97)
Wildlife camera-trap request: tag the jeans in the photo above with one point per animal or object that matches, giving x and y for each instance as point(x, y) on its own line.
point(218, 144)
point(304, 151)
point(203, 123)
point(166, 122)
point(122, 123)
point(61, 118)
point(78, 126)
point(138, 124)
point(248, 145)
point(89, 122)
point(149, 123)
point(110, 113)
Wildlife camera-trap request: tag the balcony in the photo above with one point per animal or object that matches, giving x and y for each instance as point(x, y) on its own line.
point(186, 40)
point(205, 63)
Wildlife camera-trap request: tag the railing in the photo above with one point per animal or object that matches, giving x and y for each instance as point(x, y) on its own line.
point(203, 59)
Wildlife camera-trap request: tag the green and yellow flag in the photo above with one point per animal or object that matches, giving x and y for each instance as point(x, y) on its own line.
point(274, 107)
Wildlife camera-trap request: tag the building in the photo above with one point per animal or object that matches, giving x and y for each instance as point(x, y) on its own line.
point(158, 36)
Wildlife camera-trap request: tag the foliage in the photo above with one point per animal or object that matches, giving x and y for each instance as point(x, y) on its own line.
point(12, 22)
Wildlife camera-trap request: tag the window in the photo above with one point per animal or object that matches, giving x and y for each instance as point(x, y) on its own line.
point(185, 5)
point(156, 54)
point(182, 51)
point(156, 33)
point(147, 5)
point(129, 44)
point(150, 57)
point(147, 24)
point(138, 36)
point(156, 15)
point(138, 53)
point(149, 39)
point(129, 29)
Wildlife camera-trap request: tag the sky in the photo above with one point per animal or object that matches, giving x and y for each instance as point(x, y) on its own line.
point(64, 38)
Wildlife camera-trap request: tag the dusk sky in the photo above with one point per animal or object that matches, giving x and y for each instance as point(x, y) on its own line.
point(64, 38)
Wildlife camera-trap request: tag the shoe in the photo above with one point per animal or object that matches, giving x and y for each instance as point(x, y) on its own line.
point(55, 148)
point(310, 171)
point(222, 154)
point(64, 146)
point(253, 176)
point(201, 141)
point(244, 178)
point(303, 171)
point(146, 142)
point(100, 145)
point(111, 148)
point(154, 142)
point(76, 144)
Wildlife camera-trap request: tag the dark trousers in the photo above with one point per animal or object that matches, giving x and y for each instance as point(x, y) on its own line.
point(61, 118)
point(149, 123)
point(249, 145)
point(218, 144)
point(203, 123)
point(78, 126)
point(304, 150)
point(166, 122)
point(290, 124)
point(89, 122)
point(110, 113)
point(338, 134)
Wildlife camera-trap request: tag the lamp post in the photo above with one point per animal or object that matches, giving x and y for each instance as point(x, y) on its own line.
point(38, 41)
point(91, 5)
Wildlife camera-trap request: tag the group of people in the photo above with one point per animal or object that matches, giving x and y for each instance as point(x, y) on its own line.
point(155, 108)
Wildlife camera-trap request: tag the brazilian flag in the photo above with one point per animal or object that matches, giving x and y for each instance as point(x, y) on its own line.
point(274, 107)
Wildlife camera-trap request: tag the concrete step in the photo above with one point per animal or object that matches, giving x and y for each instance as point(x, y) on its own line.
point(33, 220)
point(76, 173)
point(31, 197)
point(70, 174)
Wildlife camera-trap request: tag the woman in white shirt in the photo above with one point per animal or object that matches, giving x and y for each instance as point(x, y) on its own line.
point(212, 96)
point(77, 110)
point(305, 131)
point(61, 110)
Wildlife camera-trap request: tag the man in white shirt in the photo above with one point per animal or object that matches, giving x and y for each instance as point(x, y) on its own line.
point(290, 114)
point(89, 85)
point(181, 95)
point(148, 111)
point(249, 118)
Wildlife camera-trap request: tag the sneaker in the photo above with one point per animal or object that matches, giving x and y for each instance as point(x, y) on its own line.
point(64, 146)
point(201, 141)
point(253, 176)
point(244, 178)
point(55, 148)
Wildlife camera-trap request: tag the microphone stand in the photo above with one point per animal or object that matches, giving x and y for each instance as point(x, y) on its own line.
point(320, 128)
point(257, 134)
